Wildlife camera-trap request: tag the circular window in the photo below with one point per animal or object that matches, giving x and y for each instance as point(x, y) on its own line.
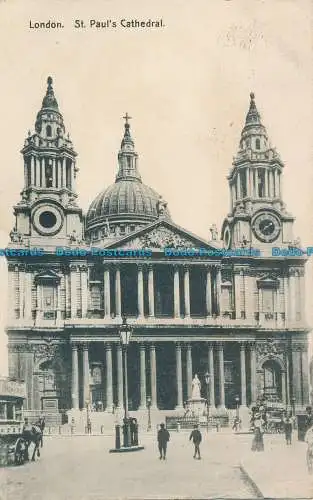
point(47, 219)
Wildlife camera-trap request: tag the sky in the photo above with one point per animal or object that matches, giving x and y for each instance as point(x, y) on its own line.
point(187, 88)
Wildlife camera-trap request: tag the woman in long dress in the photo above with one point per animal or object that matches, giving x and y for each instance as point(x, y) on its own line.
point(258, 443)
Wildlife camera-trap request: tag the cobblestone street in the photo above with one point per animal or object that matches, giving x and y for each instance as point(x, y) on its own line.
point(82, 468)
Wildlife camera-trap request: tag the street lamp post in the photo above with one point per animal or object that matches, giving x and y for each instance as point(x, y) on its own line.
point(125, 335)
point(293, 403)
point(207, 381)
point(149, 413)
point(237, 407)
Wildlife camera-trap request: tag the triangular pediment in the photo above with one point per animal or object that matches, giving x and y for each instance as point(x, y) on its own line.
point(163, 234)
point(268, 281)
point(48, 275)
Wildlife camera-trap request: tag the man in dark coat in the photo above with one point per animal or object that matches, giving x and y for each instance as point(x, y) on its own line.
point(196, 437)
point(163, 438)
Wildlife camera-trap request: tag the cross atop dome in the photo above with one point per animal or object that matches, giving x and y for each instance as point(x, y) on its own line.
point(49, 101)
point(126, 118)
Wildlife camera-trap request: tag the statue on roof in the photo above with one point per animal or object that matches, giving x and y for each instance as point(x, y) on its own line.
point(161, 206)
point(214, 232)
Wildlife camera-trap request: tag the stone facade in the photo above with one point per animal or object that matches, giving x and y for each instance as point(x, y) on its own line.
point(239, 318)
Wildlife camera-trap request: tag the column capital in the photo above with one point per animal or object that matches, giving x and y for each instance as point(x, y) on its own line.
point(243, 344)
point(108, 345)
point(140, 266)
point(178, 344)
point(85, 346)
point(74, 346)
point(211, 345)
point(220, 345)
point(252, 345)
point(176, 267)
point(186, 268)
point(73, 267)
point(142, 345)
point(150, 267)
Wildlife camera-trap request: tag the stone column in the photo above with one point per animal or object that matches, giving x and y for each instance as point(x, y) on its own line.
point(64, 172)
point(75, 392)
point(292, 296)
point(189, 370)
point(286, 298)
point(296, 372)
point(153, 376)
point(86, 382)
point(106, 293)
point(220, 347)
point(21, 275)
point(39, 309)
point(151, 290)
point(143, 388)
point(179, 378)
point(243, 380)
point(237, 279)
point(276, 183)
point(253, 373)
point(238, 187)
point(32, 170)
point(11, 303)
point(186, 291)
point(59, 166)
point(58, 299)
point(37, 163)
point(218, 283)
point(42, 172)
point(208, 292)
point(266, 183)
point(211, 373)
point(305, 376)
point(84, 290)
point(72, 176)
point(109, 378)
point(140, 291)
point(176, 292)
point(250, 192)
point(249, 294)
point(28, 295)
point(118, 301)
point(120, 389)
point(73, 270)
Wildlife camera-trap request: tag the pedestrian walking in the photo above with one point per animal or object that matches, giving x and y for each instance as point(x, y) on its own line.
point(196, 437)
point(88, 426)
point(258, 443)
point(163, 439)
point(288, 428)
point(41, 425)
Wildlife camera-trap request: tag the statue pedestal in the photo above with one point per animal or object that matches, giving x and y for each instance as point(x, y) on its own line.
point(196, 407)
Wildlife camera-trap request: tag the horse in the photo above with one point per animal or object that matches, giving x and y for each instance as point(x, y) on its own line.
point(32, 434)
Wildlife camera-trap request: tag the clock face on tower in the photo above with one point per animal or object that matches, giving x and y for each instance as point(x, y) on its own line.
point(266, 227)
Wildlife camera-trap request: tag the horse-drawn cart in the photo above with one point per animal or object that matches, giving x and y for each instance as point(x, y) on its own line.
point(12, 443)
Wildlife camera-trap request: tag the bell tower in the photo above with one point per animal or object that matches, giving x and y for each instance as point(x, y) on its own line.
point(48, 205)
point(257, 213)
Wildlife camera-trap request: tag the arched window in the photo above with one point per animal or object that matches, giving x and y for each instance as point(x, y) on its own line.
point(49, 131)
point(257, 144)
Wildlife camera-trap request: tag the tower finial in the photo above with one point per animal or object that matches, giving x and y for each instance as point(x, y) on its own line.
point(49, 81)
point(126, 118)
point(252, 96)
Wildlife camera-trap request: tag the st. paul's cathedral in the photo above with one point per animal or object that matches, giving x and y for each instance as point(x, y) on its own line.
point(240, 318)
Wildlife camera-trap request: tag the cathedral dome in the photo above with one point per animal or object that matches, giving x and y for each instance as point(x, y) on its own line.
point(127, 204)
point(128, 197)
